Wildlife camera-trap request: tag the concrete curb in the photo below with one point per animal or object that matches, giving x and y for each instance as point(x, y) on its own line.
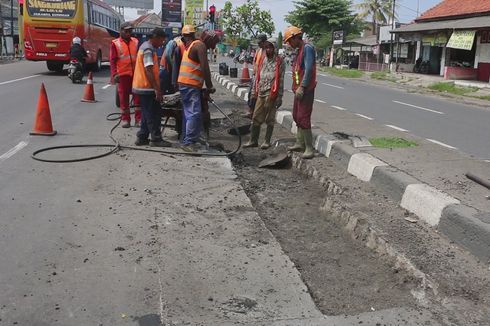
point(464, 225)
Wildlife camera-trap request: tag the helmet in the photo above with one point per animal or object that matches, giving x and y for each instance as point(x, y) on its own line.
point(76, 40)
point(290, 32)
point(188, 29)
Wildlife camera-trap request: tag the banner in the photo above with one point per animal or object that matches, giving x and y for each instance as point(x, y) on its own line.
point(194, 12)
point(172, 13)
point(462, 40)
point(52, 8)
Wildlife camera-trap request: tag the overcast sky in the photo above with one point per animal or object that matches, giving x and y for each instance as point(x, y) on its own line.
point(407, 9)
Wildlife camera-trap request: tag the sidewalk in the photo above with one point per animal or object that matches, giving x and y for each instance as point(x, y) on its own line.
point(427, 180)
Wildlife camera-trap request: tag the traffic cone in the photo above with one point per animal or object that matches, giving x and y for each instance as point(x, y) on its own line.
point(245, 74)
point(42, 123)
point(88, 94)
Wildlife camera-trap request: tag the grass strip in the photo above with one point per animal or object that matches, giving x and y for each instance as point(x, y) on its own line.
point(346, 73)
point(452, 88)
point(392, 142)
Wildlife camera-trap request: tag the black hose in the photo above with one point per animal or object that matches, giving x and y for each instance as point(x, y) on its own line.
point(117, 147)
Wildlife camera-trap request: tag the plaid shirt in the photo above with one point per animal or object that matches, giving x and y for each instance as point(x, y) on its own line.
point(268, 75)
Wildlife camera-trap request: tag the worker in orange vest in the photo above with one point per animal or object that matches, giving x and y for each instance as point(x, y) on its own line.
point(257, 62)
point(123, 60)
point(170, 65)
point(194, 71)
point(147, 85)
point(304, 84)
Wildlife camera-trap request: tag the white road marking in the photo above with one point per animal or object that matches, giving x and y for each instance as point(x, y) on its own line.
point(339, 108)
point(320, 101)
point(289, 72)
point(488, 161)
point(106, 86)
point(441, 144)
point(334, 86)
point(418, 107)
point(290, 91)
point(13, 150)
point(18, 79)
point(397, 128)
point(364, 116)
point(323, 75)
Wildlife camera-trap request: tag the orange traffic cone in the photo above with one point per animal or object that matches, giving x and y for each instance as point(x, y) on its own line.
point(42, 124)
point(245, 74)
point(88, 94)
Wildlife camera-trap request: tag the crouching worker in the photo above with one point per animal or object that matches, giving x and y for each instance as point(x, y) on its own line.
point(268, 90)
point(147, 85)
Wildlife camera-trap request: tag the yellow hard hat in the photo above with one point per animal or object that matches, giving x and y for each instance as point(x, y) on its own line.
point(188, 29)
point(290, 32)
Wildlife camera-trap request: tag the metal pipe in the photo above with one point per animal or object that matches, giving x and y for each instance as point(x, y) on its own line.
point(479, 180)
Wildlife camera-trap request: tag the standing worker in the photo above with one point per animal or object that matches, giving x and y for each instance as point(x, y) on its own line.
point(268, 91)
point(123, 61)
point(257, 62)
point(194, 71)
point(170, 64)
point(304, 83)
point(147, 85)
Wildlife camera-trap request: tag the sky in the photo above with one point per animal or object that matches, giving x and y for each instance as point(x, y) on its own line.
point(407, 9)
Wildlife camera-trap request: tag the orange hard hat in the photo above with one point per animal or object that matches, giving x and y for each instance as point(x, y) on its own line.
point(188, 29)
point(290, 32)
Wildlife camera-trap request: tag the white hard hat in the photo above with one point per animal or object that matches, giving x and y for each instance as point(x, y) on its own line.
point(77, 40)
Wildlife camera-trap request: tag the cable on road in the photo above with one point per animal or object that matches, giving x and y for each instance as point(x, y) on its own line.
point(116, 146)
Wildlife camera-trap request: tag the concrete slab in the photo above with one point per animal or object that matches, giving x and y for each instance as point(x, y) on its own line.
point(426, 202)
point(362, 166)
point(341, 153)
point(392, 181)
point(281, 114)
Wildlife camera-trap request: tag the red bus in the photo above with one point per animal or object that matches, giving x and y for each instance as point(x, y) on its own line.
point(50, 26)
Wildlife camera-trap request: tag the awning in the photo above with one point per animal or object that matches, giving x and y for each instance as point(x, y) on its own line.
point(454, 24)
point(462, 40)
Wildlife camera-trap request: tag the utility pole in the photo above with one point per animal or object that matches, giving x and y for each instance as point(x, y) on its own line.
point(393, 26)
point(12, 19)
point(418, 7)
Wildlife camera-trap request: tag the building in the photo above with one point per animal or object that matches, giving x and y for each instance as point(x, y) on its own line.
point(9, 27)
point(453, 39)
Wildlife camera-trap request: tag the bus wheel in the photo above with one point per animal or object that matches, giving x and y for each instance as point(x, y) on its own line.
point(54, 66)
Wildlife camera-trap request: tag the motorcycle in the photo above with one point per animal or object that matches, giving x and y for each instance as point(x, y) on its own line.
point(75, 71)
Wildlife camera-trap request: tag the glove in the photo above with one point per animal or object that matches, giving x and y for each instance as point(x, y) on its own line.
point(300, 92)
point(278, 103)
point(116, 78)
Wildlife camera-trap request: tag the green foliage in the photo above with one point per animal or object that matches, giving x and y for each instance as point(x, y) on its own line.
point(318, 18)
point(380, 11)
point(246, 21)
point(279, 40)
point(243, 43)
point(346, 73)
point(393, 142)
point(383, 75)
point(452, 88)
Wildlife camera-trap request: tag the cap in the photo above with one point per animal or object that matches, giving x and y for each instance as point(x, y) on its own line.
point(273, 41)
point(262, 37)
point(126, 25)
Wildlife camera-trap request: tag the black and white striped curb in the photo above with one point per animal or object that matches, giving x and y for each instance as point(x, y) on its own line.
point(462, 224)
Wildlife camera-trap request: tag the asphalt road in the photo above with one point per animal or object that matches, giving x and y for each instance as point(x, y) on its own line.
point(445, 122)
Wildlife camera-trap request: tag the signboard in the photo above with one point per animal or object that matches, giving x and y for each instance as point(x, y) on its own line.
point(194, 12)
point(439, 39)
point(138, 4)
point(462, 40)
point(338, 37)
point(52, 8)
point(172, 13)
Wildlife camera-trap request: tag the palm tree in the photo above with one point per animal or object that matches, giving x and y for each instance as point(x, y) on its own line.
point(381, 11)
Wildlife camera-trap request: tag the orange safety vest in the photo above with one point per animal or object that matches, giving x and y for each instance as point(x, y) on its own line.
point(126, 55)
point(299, 72)
point(190, 73)
point(141, 84)
point(274, 92)
point(259, 58)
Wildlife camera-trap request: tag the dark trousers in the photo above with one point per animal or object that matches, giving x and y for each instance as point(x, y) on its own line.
point(151, 118)
point(302, 110)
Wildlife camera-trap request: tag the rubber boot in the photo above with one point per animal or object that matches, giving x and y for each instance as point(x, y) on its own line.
point(268, 136)
point(254, 137)
point(300, 142)
point(309, 150)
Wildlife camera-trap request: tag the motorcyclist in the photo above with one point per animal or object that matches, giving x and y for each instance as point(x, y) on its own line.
point(78, 52)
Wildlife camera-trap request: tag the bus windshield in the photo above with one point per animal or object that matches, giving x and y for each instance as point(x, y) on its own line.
point(52, 8)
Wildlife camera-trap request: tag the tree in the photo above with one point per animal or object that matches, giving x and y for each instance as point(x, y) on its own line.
point(279, 40)
point(246, 21)
point(381, 12)
point(319, 18)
